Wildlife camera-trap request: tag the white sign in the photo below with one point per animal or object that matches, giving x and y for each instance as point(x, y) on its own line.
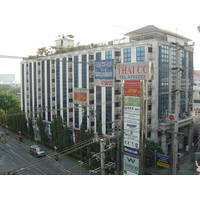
point(131, 116)
point(132, 71)
point(132, 135)
point(130, 126)
point(131, 143)
point(131, 164)
point(132, 109)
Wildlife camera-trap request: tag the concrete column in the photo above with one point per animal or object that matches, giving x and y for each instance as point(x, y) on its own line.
point(190, 136)
point(164, 142)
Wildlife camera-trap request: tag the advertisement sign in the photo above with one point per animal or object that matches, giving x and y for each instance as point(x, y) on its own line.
point(132, 88)
point(128, 173)
point(132, 101)
point(131, 127)
point(103, 72)
point(130, 143)
point(131, 164)
point(132, 151)
point(133, 110)
point(132, 71)
point(163, 160)
point(80, 95)
point(130, 116)
point(134, 136)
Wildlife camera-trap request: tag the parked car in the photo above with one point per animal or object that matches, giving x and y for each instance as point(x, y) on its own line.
point(37, 151)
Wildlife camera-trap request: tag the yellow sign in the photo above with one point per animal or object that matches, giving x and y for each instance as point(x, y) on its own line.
point(161, 164)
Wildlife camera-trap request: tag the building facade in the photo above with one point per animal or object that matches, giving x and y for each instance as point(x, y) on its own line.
point(67, 84)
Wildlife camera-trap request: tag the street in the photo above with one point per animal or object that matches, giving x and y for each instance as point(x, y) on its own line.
point(15, 157)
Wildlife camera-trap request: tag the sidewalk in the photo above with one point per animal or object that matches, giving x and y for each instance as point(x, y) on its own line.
point(187, 166)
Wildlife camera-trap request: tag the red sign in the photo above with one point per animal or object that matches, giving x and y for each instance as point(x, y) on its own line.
point(132, 88)
point(171, 117)
point(80, 96)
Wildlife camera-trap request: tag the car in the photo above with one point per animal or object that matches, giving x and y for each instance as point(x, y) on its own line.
point(37, 151)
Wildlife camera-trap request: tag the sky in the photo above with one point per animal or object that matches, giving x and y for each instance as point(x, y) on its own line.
point(27, 25)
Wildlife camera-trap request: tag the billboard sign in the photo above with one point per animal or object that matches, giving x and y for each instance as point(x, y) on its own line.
point(130, 143)
point(132, 71)
point(132, 151)
point(131, 126)
point(132, 101)
point(103, 72)
point(132, 88)
point(131, 164)
point(131, 110)
point(80, 95)
point(132, 135)
point(162, 160)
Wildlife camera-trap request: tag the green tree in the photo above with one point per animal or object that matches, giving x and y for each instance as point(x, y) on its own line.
point(151, 146)
point(67, 139)
point(2, 119)
point(60, 134)
point(43, 51)
point(41, 127)
point(8, 101)
point(30, 129)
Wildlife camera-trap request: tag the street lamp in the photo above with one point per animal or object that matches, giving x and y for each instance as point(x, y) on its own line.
point(56, 156)
point(6, 130)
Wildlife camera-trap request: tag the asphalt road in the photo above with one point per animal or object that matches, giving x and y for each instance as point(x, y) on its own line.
point(15, 156)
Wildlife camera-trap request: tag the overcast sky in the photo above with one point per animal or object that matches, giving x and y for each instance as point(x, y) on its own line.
point(27, 25)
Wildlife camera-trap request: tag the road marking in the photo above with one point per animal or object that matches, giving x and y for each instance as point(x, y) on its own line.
point(8, 145)
point(28, 162)
point(49, 170)
point(29, 156)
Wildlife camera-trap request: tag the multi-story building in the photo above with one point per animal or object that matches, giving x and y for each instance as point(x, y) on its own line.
point(196, 88)
point(65, 84)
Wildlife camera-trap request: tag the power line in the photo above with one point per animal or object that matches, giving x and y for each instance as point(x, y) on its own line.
point(62, 152)
point(12, 57)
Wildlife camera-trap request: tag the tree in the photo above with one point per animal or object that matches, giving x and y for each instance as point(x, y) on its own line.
point(43, 51)
point(8, 101)
point(151, 146)
point(41, 127)
point(2, 119)
point(67, 140)
point(61, 137)
point(30, 129)
point(57, 131)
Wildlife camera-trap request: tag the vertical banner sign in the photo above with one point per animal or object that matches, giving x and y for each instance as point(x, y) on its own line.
point(132, 74)
point(103, 70)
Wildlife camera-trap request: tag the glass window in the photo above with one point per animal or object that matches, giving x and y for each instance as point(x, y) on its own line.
point(98, 56)
point(84, 71)
point(127, 55)
point(75, 71)
point(108, 55)
point(140, 54)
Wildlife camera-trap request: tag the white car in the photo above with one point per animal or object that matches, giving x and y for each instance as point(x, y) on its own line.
point(36, 150)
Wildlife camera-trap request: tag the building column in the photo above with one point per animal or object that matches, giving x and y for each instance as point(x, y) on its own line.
point(190, 136)
point(164, 142)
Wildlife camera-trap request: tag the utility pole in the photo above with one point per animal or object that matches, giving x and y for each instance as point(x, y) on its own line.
point(102, 156)
point(177, 110)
